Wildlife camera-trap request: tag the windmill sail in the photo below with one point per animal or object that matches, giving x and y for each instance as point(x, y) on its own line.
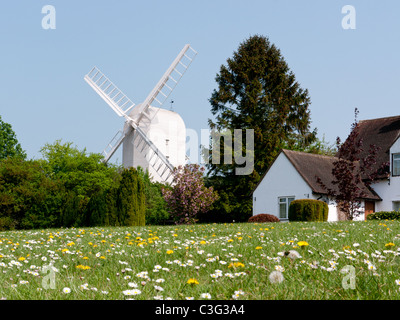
point(140, 120)
point(114, 144)
point(154, 156)
point(168, 82)
point(110, 93)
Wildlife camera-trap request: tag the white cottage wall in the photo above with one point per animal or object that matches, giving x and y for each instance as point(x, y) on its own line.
point(282, 180)
point(388, 190)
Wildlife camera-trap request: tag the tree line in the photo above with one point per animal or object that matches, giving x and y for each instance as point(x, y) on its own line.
point(255, 90)
point(69, 188)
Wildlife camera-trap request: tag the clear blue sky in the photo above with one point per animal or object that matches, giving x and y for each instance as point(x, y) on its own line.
point(44, 96)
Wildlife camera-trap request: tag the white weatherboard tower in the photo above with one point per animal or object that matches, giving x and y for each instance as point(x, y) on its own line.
point(152, 138)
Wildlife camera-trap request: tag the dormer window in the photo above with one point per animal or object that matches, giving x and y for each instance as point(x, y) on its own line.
point(396, 164)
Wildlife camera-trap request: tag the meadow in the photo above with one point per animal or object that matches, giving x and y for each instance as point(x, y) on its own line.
point(313, 260)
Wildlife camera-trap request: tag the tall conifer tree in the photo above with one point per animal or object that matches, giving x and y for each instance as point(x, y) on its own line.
point(256, 90)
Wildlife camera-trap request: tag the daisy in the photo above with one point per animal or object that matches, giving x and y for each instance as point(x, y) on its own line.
point(66, 290)
point(371, 267)
point(279, 268)
point(205, 296)
point(133, 292)
point(237, 294)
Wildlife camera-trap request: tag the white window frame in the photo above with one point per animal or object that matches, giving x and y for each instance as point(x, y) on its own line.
point(286, 201)
point(397, 160)
point(396, 205)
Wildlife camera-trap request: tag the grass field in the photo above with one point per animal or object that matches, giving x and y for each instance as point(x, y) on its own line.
point(215, 261)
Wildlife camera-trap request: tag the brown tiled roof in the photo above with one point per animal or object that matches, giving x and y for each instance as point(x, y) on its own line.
point(382, 132)
point(309, 166)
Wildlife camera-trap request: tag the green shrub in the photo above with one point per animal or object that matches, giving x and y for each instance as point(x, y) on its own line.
point(263, 217)
point(6, 223)
point(131, 199)
point(384, 215)
point(308, 210)
point(156, 207)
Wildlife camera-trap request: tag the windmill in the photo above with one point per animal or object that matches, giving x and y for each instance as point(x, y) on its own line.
point(152, 138)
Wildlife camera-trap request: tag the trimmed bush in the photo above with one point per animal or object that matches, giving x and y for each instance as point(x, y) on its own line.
point(264, 217)
point(308, 210)
point(384, 215)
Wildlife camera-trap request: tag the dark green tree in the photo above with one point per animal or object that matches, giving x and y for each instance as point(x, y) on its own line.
point(156, 207)
point(82, 173)
point(96, 209)
point(256, 90)
point(111, 217)
point(131, 199)
point(28, 197)
point(9, 146)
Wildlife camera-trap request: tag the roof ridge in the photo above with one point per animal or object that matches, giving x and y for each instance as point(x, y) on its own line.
point(310, 154)
point(382, 118)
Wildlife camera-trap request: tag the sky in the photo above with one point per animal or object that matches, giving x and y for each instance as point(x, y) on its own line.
point(45, 98)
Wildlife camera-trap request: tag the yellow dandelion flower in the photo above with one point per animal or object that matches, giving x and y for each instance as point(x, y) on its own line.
point(258, 248)
point(390, 244)
point(192, 281)
point(236, 265)
point(21, 258)
point(82, 267)
point(302, 243)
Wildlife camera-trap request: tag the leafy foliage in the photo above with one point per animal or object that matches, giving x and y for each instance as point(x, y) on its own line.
point(9, 146)
point(28, 197)
point(263, 217)
point(352, 173)
point(131, 199)
point(384, 215)
point(188, 195)
point(83, 173)
point(156, 207)
point(256, 90)
point(308, 210)
point(68, 188)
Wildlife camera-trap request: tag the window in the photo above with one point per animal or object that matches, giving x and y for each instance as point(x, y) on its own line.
point(396, 164)
point(396, 205)
point(284, 203)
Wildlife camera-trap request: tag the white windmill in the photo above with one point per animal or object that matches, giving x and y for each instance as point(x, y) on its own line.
point(152, 138)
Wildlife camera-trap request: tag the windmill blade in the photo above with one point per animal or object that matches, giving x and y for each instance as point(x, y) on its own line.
point(110, 93)
point(168, 82)
point(114, 144)
point(156, 158)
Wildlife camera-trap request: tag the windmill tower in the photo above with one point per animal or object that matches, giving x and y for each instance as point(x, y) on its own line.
point(152, 138)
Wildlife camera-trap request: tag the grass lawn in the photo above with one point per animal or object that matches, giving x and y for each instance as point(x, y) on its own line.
point(214, 261)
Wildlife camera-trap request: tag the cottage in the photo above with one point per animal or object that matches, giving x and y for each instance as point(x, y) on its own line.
point(293, 175)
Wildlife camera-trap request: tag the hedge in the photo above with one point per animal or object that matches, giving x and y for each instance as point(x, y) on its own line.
point(384, 215)
point(308, 210)
point(263, 217)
